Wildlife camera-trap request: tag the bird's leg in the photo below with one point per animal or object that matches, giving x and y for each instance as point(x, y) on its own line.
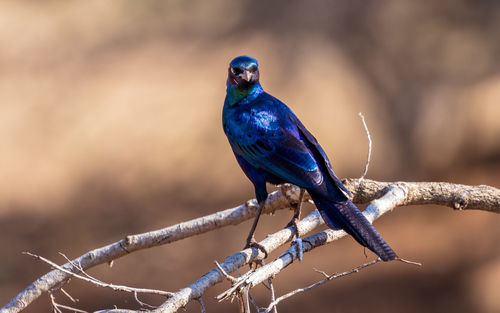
point(251, 242)
point(296, 216)
point(296, 213)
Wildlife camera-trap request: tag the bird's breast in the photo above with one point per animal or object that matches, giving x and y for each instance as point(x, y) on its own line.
point(247, 126)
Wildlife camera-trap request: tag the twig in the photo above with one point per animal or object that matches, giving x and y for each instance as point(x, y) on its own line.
point(68, 295)
point(408, 262)
point(141, 303)
point(368, 157)
point(56, 307)
point(273, 304)
point(228, 277)
point(100, 283)
point(246, 301)
point(235, 287)
point(95, 280)
point(273, 295)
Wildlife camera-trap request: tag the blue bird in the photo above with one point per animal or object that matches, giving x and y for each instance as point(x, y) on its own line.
point(272, 145)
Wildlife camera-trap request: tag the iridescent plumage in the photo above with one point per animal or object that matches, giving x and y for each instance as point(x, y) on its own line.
point(272, 145)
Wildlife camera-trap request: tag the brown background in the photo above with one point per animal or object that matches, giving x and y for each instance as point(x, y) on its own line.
point(110, 124)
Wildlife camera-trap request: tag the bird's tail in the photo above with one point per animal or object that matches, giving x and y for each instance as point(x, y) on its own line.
point(345, 215)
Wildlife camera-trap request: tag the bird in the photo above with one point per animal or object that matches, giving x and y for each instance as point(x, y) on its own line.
point(271, 145)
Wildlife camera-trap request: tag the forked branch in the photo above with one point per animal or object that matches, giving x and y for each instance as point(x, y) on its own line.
point(461, 197)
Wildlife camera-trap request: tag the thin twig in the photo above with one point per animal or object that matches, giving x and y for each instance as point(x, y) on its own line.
point(99, 283)
point(228, 277)
point(241, 303)
point(68, 295)
point(409, 262)
point(328, 278)
point(235, 288)
point(141, 303)
point(56, 307)
point(368, 157)
point(246, 300)
point(273, 295)
point(95, 280)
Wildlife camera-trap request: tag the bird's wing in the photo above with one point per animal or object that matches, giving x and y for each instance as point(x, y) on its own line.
point(283, 155)
point(319, 153)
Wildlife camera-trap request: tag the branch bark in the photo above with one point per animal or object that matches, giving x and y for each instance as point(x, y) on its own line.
point(457, 196)
point(394, 197)
point(277, 200)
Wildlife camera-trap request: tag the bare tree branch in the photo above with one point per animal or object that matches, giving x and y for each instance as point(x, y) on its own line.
point(234, 261)
point(394, 197)
point(457, 196)
point(274, 303)
point(99, 283)
point(277, 200)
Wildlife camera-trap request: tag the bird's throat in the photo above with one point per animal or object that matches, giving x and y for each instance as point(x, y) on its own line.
point(236, 94)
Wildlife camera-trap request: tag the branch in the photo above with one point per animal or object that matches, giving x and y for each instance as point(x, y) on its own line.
point(394, 197)
point(234, 261)
point(272, 305)
point(460, 197)
point(456, 196)
point(97, 282)
point(277, 200)
point(396, 194)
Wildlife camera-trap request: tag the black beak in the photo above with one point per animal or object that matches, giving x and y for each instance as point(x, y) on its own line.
point(246, 75)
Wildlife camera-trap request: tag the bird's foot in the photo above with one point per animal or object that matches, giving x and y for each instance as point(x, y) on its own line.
point(298, 247)
point(252, 243)
point(297, 241)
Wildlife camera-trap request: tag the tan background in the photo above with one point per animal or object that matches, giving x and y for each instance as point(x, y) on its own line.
point(110, 124)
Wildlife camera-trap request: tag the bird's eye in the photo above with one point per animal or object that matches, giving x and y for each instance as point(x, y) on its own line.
point(236, 70)
point(253, 68)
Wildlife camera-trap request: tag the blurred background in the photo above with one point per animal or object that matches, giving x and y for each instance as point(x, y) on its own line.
point(110, 124)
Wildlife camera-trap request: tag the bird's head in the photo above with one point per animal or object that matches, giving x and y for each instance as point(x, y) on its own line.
point(243, 72)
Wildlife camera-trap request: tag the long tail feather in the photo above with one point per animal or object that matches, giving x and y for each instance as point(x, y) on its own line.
point(345, 215)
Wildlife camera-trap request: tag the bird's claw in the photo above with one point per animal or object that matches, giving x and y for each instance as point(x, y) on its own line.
point(297, 241)
point(298, 246)
point(252, 243)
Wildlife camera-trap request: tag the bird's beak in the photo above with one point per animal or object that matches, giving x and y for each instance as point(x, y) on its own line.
point(247, 76)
